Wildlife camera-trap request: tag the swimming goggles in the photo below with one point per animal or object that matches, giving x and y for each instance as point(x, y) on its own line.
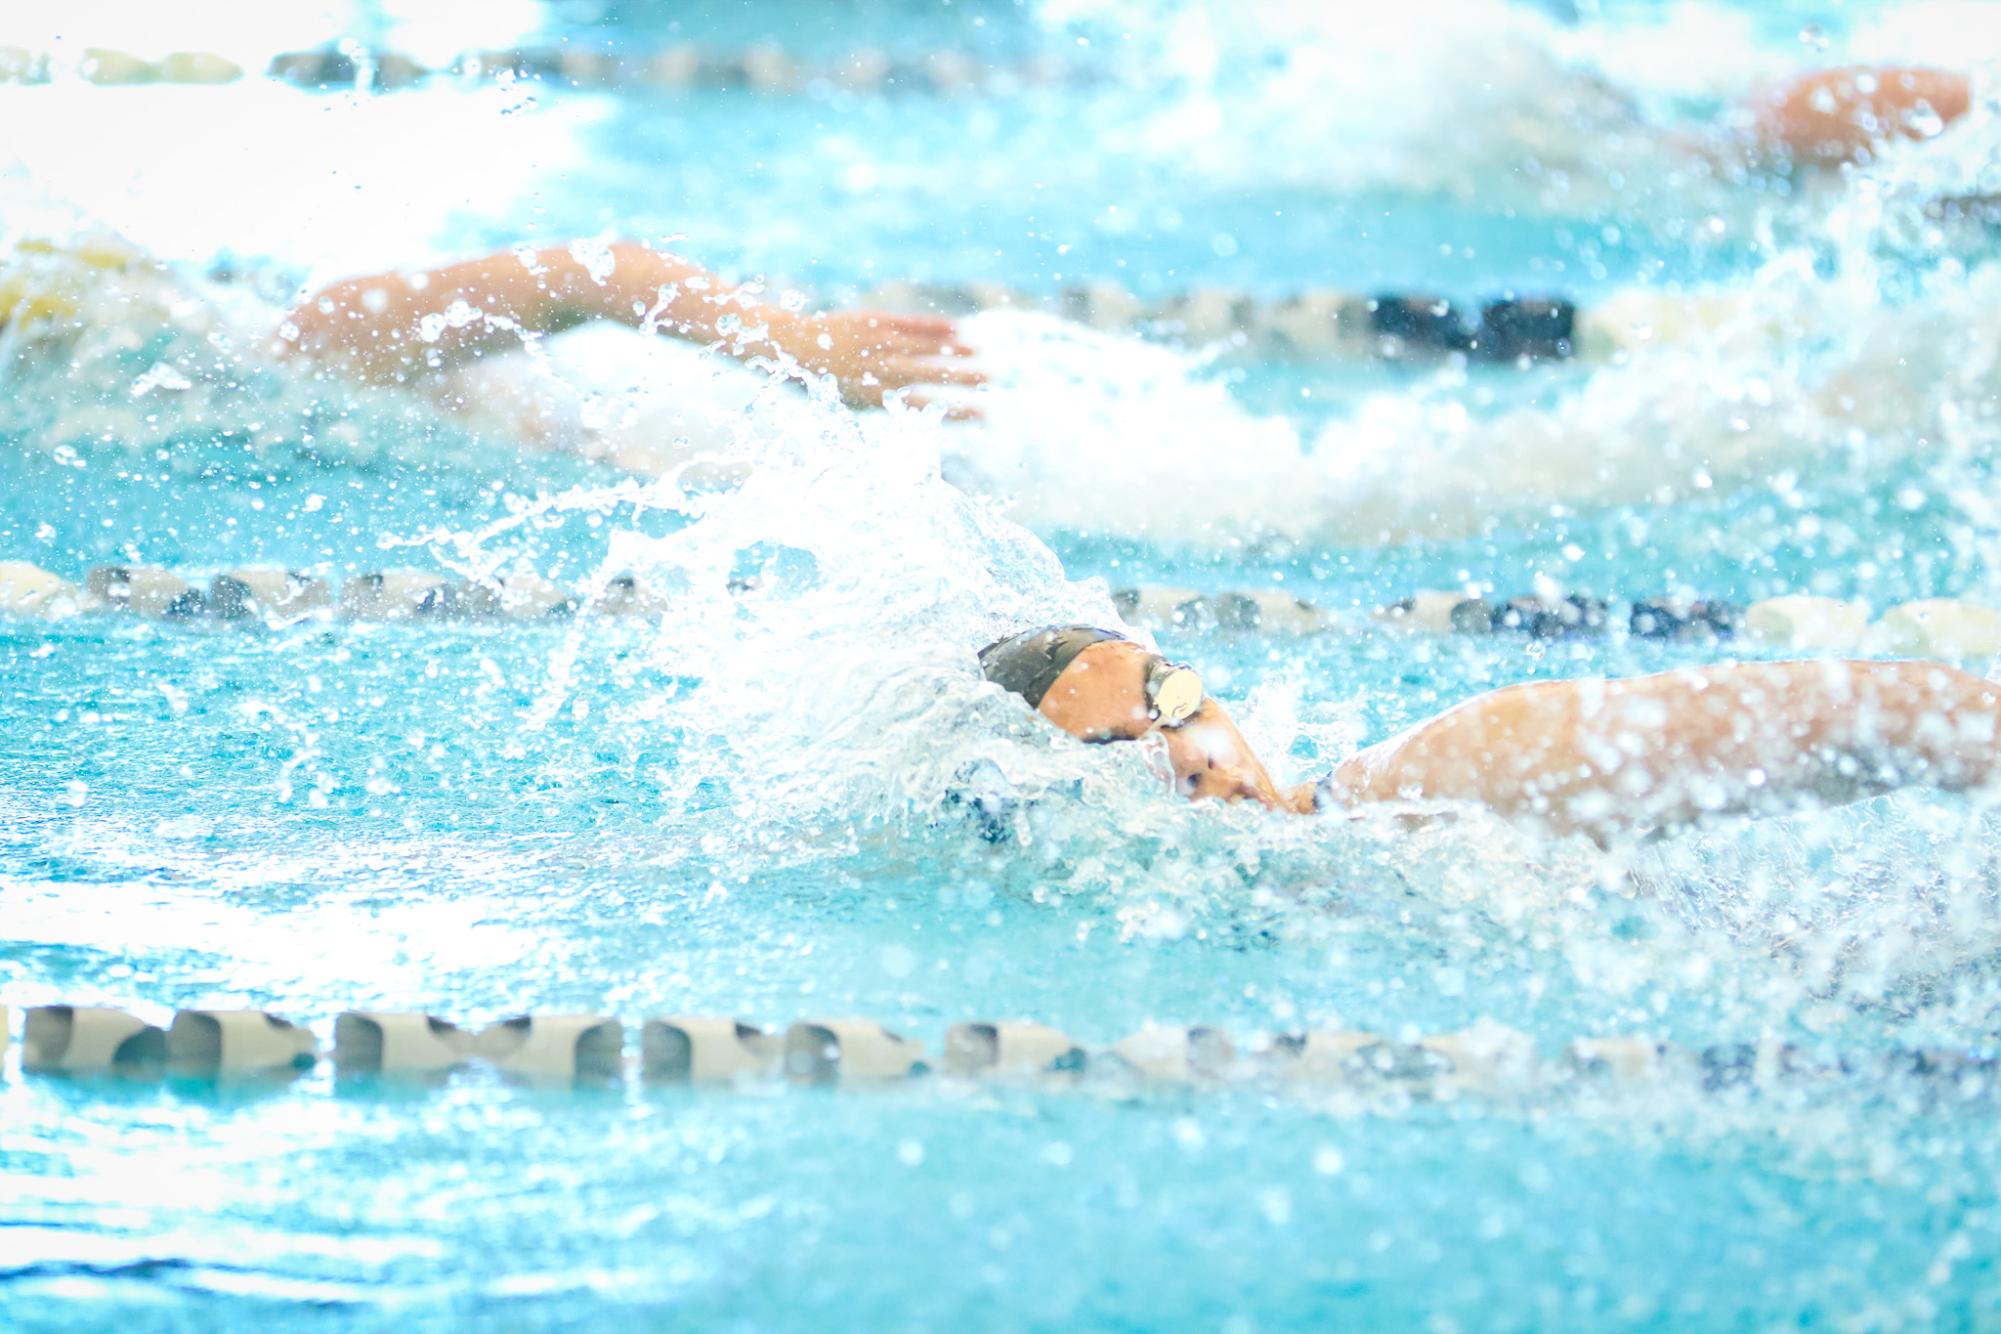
point(1173, 692)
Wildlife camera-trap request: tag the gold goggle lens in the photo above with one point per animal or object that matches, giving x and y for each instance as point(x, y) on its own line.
point(1175, 692)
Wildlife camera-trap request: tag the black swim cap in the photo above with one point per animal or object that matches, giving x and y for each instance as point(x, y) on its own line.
point(1029, 663)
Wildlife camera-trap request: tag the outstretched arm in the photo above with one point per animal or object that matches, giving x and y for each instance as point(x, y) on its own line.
point(1600, 756)
point(401, 327)
point(1835, 115)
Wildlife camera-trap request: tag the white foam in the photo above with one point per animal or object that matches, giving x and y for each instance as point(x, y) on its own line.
point(1791, 373)
point(1100, 433)
point(1438, 95)
point(1486, 100)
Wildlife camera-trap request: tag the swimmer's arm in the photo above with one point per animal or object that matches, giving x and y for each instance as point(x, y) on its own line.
point(1604, 756)
point(397, 327)
point(1834, 116)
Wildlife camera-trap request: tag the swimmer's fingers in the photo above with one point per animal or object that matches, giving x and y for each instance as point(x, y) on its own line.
point(873, 392)
point(921, 370)
point(917, 351)
point(913, 383)
point(888, 376)
point(920, 328)
point(911, 335)
point(954, 412)
point(946, 351)
point(873, 352)
point(946, 343)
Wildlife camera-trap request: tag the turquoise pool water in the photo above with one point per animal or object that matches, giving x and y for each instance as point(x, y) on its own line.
point(481, 820)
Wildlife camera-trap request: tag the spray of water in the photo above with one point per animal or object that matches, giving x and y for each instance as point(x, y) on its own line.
point(829, 600)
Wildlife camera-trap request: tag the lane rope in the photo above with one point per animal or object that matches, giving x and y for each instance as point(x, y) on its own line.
point(1487, 1060)
point(41, 281)
point(274, 597)
point(760, 68)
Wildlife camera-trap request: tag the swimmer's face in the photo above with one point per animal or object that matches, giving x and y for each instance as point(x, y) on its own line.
point(1101, 696)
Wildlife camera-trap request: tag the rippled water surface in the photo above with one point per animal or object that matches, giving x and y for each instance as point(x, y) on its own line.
point(743, 809)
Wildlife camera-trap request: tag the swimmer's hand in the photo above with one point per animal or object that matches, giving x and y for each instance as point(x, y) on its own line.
point(872, 353)
point(1300, 799)
point(399, 327)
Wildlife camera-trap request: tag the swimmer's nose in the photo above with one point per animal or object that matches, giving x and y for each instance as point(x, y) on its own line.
point(1224, 782)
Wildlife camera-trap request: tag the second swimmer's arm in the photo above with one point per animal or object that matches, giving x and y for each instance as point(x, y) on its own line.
point(1836, 115)
point(1599, 756)
point(396, 327)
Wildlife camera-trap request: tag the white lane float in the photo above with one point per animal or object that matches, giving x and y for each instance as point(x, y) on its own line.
point(29, 590)
point(555, 1047)
point(238, 1042)
point(827, 1051)
point(698, 1049)
point(79, 1039)
point(393, 1042)
point(1009, 1051)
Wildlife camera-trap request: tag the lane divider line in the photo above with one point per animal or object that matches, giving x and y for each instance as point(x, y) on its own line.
point(1487, 1060)
point(762, 69)
point(41, 280)
point(276, 597)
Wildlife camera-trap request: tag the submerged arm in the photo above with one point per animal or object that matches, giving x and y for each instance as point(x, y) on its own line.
point(1598, 756)
point(398, 327)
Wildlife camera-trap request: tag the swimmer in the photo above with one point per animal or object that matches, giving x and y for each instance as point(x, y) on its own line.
point(1830, 117)
point(1597, 757)
point(446, 331)
point(406, 328)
